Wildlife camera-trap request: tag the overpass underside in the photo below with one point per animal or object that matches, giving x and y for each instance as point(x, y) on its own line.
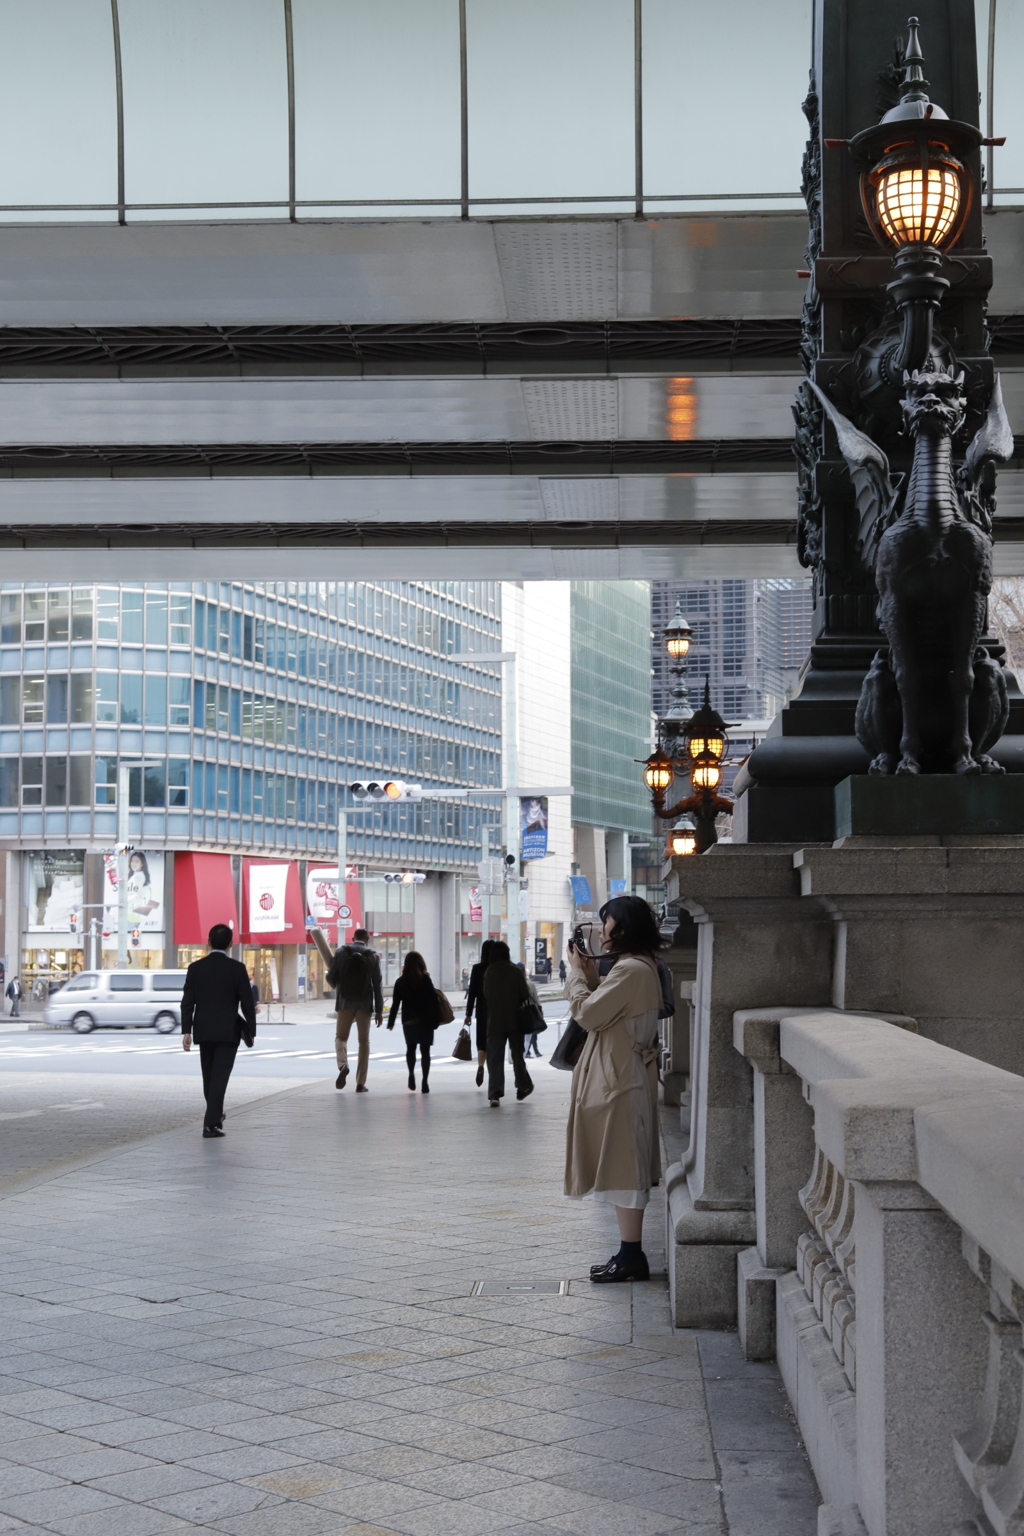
point(518, 399)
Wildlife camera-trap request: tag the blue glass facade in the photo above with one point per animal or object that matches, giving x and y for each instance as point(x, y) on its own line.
point(251, 704)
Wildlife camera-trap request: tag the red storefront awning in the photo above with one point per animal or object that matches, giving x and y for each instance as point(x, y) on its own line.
point(204, 894)
point(294, 928)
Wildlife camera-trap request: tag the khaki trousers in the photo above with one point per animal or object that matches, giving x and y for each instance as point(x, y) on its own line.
point(346, 1017)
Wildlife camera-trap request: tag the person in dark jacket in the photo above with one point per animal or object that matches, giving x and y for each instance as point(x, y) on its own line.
point(354, 970)
point(505, 991)
point(416, 995)
point(15, 991)
point(217, 990)
point(475, 999)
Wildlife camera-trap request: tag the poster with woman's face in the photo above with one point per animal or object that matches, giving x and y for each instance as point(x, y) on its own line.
point(145, 891)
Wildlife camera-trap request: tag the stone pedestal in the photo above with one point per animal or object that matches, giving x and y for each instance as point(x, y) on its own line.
point(936, 932)
point(761, 943)
point(930, 805)
point(931, 929)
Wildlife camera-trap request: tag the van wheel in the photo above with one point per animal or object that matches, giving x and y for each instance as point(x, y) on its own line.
point(82, 1023)
point(165, 1023)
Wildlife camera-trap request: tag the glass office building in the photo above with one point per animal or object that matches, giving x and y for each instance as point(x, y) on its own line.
point(242, 709)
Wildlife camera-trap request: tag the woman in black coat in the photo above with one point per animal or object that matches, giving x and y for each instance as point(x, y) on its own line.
point(416, 995)
point(475, 999)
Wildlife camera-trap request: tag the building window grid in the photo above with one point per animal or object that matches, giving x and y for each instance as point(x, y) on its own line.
point(124, 614)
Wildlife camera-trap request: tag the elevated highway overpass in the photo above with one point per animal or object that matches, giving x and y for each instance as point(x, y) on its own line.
point(510, 398)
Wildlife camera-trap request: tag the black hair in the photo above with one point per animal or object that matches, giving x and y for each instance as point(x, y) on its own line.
point(360, 936)
point(636, 929)
point(486, 951)
point(137, 853)
point(414, 966)
point(220, 936)
point(499, 951)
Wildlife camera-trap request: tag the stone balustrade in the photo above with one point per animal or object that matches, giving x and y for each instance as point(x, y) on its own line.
point(888, 1269)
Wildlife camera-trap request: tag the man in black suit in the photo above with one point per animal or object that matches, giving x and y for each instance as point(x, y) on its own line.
point(217, 989)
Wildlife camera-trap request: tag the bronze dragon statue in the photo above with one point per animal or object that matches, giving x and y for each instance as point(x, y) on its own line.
point(934, 701)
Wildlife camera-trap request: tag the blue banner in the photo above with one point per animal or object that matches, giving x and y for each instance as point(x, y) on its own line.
point(533, 827)
point(617, 888)
point(580, 890)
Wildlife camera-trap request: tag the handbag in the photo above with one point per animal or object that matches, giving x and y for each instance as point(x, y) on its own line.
point(569, 1048)
point(248, 1033)
point(444, 1008)
point(463, 1046)
point(531, 1016)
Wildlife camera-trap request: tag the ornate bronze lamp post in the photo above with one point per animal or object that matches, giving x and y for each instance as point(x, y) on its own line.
point(698, 749)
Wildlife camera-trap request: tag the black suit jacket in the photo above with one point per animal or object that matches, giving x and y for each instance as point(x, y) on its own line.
point(217, 989)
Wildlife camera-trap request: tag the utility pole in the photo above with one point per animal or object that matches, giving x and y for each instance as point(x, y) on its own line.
point(123, 771)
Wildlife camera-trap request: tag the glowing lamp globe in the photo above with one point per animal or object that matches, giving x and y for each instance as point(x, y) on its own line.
point(658, 774)
point(682, 840)
point(677, 636)
point(706, 775)
point(918, 190)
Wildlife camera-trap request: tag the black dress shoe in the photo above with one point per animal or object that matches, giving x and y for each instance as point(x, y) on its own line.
point(212, 1130)
point(617, 1270)
point(524, 1093)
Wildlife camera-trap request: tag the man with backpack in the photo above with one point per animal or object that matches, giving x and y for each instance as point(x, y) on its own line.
point(355, 972)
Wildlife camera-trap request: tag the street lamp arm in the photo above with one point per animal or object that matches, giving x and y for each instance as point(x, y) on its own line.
point(703, 802)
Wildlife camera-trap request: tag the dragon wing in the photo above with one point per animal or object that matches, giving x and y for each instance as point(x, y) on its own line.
point(993, 439)
point(869, 471)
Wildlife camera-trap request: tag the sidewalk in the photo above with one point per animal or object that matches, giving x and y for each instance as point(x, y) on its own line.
point(277, 1335)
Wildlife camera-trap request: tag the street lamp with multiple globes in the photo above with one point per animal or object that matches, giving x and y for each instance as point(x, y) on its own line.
point(689, 742)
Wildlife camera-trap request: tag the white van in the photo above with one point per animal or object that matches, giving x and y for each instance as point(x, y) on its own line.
point(119, 999)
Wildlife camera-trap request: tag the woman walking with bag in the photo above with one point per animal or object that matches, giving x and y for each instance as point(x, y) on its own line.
point(612, 1138)
point(417, 997)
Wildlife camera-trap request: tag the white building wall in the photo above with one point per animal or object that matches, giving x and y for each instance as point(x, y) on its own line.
point(535, 624)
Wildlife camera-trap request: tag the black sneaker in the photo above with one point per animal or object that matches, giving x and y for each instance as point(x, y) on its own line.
point(212, 1130)
point(617, 1271)
point(524, 1093)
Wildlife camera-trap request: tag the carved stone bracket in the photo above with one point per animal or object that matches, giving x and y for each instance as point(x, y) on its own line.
point(826, 1259)
point(990, 1454)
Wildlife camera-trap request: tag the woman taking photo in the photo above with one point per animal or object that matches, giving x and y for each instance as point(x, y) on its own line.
point(416, 995)
point(612, 1136)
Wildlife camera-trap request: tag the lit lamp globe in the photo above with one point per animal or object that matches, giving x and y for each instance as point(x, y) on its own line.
point(917, 189)
point(682, 840)
point(677, 636)
point(658, 774)
point(706, 774)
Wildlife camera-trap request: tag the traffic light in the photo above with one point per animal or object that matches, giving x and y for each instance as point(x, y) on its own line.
point(385, 789)
point(135, 938)
point(405, 877)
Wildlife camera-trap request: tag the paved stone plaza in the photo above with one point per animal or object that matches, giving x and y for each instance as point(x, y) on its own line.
point(277, 1333)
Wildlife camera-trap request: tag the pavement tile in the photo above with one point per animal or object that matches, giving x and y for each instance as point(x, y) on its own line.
point(49, 1504)
point(215, 1501)
point(329, 1374)
point(153, 1482)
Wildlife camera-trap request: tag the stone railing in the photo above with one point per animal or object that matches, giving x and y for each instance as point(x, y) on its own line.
point(888, 1269)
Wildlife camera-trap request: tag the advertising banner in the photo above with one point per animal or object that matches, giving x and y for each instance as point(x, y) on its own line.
point(533, 827)
point(617, 888)
point(476, 906)
point(267, 883)
point(145, 887)
point(56, 891)
point(322, 900)
point(580, 890)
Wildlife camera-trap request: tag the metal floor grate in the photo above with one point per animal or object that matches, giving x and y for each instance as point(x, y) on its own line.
point(520, 1288)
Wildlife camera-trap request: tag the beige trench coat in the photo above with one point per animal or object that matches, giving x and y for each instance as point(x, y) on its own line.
point(613, 1106)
